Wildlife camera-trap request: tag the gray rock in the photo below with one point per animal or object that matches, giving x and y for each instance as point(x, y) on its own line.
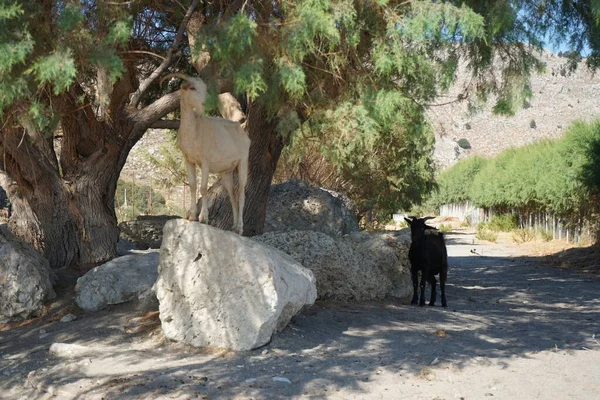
point(355, 267)
point(68, 350)
point(221, 290)
point(68, 318)
point(120, 280)
point(25, 280)
point(293, 205)
point(145, 232)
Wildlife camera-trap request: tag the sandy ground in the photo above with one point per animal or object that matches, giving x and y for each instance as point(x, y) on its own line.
point(514, 329)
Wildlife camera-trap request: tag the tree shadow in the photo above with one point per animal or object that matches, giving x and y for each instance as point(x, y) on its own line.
point(500, 309)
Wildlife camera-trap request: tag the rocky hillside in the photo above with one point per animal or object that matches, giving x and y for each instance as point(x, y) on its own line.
point(559, 99)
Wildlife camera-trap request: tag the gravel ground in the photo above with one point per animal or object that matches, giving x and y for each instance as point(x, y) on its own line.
point(514, 329)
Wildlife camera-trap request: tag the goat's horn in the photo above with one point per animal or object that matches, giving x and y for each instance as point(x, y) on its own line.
point(428, 218)
point(175, 75)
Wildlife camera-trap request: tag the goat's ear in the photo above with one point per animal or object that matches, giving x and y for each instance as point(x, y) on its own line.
point(408, 220)
point(428, 218)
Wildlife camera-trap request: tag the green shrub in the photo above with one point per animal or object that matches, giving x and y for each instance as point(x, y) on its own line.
point(485, 233)
point(445, 227)
point(546, 235)
point(523, 235)
point(503, 223)
point(464, 143)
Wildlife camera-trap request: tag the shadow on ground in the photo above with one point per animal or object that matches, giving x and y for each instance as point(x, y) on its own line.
point(499, 308)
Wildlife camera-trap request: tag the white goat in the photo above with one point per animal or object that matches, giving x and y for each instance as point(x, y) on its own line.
point(216, 145)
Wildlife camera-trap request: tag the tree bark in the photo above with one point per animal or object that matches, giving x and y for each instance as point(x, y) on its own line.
point(67, 217)
point(265, 151)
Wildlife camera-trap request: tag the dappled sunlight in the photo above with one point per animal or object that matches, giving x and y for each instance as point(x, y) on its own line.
point(503, 312)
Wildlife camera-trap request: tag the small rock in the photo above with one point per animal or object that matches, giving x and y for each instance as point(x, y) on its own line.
point(68, 318)
point(250, 380)
point(68, 350)
point(436, 361)
point(281, 379)
point(43, 335)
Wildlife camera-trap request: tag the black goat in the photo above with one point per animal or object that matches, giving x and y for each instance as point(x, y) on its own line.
point(427, 254)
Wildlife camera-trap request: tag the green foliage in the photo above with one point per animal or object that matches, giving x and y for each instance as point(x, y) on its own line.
point(546, 235)
point(523, 235)
point(43, 54)
point(464, 143)
point(445, 227)
point(170, 162)
point(248, 79)
point(57, 68)
point(454, 184)
point(503, 223)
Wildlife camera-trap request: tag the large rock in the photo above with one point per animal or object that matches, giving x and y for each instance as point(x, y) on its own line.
point(145, 232)
point(355, 267)
point(293, 205)
point(25, 280)
point(120, 280)
point(221, 290)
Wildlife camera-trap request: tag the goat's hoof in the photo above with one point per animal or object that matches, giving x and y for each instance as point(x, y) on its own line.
point(444, 305)
point(421, 304)
point(414, 303)
point(431, 304)
point(192, 219)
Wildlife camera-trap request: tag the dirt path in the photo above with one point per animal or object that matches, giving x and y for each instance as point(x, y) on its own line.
point(513, 330)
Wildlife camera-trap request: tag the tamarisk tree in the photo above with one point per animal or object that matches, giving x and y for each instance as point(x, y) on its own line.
point(79, 87)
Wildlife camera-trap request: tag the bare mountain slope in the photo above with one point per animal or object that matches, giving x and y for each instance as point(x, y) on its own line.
point(559, 99)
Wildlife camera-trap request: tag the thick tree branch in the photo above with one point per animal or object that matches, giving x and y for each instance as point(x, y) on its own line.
point(166, 124)
point(144, 85)
point(148, 116)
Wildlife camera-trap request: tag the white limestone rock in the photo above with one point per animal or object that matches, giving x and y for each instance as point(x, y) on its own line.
point(25, 280)
point(120, 280)
point(221, 290)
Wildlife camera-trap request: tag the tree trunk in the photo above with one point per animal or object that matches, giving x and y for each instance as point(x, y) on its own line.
point(70, 219)
point(265, 150)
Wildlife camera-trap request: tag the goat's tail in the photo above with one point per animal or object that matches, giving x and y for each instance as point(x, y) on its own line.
point(176, 75)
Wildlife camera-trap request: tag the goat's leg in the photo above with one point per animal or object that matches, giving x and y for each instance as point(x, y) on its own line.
point(415, 280)
point(204, 192)
point(191, 173)
point(227, 180)
point(424, 274)
point(433, 292)
point(242, 179)
point(443, 276)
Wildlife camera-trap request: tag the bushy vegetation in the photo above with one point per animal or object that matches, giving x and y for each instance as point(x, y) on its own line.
point(546, 235)
point(445, 227)
point(485, 233)
point(464, 143)
point(561, 177)
point(523, 235)
point(503, 223)
point(455, 184)
point(133, 199)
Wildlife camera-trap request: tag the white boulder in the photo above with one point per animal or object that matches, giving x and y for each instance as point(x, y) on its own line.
point(221, 290)
point(120, 280)
point(25, 280)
